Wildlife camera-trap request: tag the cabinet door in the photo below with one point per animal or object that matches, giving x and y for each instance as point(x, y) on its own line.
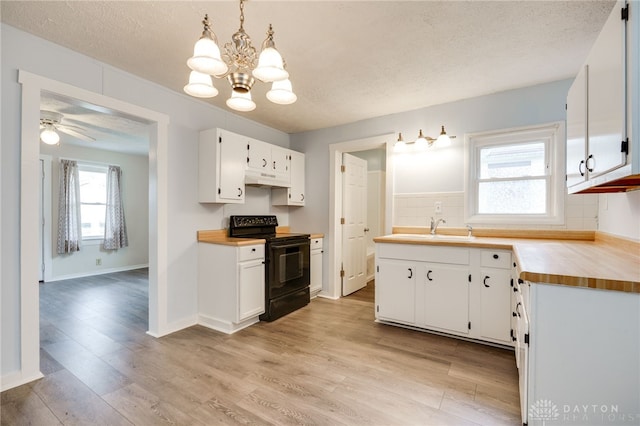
point(446, 302)
point(232, 157)
point(316, 270)
point(577, 129)
point(250, 289)
point(395, 290)
point(280, 161)
point(495, 304)
point(296, 192)
point(606, 94)
point(258, 155)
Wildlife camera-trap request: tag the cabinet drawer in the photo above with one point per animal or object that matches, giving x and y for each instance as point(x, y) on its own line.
point(495, 259)
point(250, 252)
point(316, 243)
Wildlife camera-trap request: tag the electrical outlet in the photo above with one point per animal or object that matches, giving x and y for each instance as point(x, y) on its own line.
point(438, 207)
point(98, 262)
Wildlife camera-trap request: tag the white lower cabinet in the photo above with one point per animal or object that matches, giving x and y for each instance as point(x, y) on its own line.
point(315, 260)
point(445, 302)
point(579, 361)
point(445, 289)
point(396, 290)
point(231, 292)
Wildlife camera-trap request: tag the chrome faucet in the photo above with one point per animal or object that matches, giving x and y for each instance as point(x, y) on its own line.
point(434, 225)
point(470, 228)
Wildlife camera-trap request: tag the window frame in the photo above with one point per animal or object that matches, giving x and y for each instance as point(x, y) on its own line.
point(95, 168)
point(553, 135)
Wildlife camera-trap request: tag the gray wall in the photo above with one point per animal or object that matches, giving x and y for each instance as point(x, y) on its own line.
point(185, 215)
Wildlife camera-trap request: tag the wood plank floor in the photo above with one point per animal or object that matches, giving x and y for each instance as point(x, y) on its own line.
point(326, 364)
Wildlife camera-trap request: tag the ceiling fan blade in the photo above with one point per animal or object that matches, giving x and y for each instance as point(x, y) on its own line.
point(75, 134)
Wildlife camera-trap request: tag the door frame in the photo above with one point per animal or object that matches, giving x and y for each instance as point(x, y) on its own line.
point(46, 217)
point(336, 150)
point(32, 87)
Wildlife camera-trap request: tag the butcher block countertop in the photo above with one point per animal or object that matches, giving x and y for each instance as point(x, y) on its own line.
point(575, 258)
point(220, 236)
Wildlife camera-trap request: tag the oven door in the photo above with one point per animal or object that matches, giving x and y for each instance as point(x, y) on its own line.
point(288, 267)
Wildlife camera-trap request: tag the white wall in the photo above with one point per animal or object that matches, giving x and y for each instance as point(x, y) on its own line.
point(135, 190)
point(619, 214)
point(185, 215)
point(440, 170)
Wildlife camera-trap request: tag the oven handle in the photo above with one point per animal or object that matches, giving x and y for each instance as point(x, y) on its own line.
point(285, 246)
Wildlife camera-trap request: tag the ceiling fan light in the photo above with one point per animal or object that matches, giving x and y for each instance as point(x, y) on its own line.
point(270, 66)
point(241, 101)
point(281, 93)
point(49, 136)
point(200, 85)
point(206, 57)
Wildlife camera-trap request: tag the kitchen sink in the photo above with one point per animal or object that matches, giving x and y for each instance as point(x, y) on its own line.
point(435, 237)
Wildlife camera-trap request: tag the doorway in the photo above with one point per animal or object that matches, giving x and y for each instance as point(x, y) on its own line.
point(32, 87)
point(383, 143)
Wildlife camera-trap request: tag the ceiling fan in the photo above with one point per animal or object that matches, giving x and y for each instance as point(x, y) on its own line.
point(51, 124)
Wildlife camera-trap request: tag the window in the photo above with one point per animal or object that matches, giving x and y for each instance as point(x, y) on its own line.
point(93, 199)
point(516, 176)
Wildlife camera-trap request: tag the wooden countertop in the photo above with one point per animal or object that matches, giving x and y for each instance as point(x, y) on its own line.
point(575, 258)
point(219, 236)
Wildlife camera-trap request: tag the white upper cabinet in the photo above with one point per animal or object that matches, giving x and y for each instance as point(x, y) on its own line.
point(577, 129)
point(293, 196)
point(599, 137)
point(221, 163)
point(267, 164)
point(606, 89)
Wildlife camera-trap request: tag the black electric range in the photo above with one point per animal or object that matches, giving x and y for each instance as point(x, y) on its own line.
point(287, 274)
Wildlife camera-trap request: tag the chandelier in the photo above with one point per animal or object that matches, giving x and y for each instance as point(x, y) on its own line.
point(423, 141)
point(237, 64)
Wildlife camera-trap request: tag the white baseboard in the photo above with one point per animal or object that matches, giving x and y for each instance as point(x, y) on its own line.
point(225, 326)
point(175, 326)
point(324, 296)
point(100, 272)
point(12, 380)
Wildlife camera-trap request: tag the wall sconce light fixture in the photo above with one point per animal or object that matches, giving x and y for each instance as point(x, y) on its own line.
point(423, 142)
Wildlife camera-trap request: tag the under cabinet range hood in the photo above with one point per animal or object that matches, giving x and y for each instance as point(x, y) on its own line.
point(264, 179)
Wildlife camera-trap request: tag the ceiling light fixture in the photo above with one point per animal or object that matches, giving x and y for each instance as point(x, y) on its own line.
point(238, 65)
point(423, 142)
point(49, 135)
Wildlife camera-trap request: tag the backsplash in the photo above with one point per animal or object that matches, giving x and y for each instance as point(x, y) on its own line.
point(581, 211)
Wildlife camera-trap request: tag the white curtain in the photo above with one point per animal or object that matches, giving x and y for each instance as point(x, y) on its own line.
point(115, 227)
point(69, 236)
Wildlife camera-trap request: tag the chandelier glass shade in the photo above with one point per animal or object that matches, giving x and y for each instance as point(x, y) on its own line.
point(241, 65)
point(200, 85)
point(423, 142)
point(241, 101)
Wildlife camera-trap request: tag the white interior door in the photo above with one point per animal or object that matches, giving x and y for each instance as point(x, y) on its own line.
point(354, 213)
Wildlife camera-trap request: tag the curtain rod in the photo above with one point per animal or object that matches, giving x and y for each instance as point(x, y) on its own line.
point(97, 163)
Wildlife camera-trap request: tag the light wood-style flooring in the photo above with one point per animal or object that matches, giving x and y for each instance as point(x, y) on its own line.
point(326, 364)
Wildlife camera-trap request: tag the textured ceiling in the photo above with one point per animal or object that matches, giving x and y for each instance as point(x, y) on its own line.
point(348, 60)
